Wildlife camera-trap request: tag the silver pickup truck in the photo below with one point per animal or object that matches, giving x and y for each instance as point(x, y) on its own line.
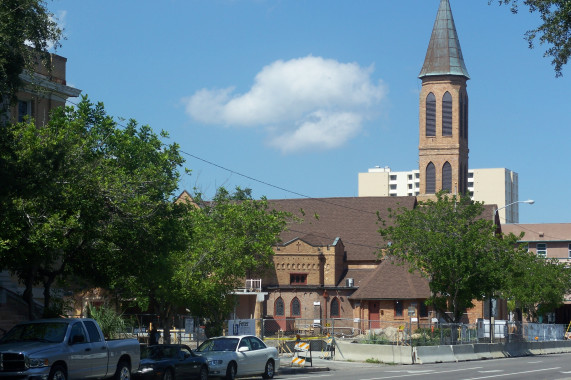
point(65, 349)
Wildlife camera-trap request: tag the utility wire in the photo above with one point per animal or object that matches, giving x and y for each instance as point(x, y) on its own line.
point(299, 194)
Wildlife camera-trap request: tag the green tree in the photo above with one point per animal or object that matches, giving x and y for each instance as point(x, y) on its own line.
point(147, 270)
point(536, 285)
point(232, 239)
point(450, 243)
point(27, 30)
point(554, 31)
point(74, 187)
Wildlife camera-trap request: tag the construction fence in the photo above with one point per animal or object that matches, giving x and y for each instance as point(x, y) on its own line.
point(407, 332)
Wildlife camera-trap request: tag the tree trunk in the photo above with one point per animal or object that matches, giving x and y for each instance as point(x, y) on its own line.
point(28, 296)
point(48, 296)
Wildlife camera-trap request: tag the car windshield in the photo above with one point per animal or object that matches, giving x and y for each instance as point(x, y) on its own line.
point(159, 352)
point(219, 344)
point(49, 332)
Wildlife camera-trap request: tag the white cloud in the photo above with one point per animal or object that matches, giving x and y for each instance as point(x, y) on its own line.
point(303, 103)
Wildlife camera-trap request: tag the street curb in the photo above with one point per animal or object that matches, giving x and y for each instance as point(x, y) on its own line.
point(296, 370)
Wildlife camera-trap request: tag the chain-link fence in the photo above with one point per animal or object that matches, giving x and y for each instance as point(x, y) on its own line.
point(409, 333)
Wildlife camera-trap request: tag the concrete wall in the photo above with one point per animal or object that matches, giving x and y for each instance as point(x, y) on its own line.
point(445, 354)
point(383, 353)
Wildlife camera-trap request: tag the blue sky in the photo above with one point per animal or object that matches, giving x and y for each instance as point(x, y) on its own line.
point(295, 98)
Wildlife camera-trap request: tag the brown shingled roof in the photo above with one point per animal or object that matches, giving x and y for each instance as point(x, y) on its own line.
point(359, 276)
point(353, 219)
point(391, 281)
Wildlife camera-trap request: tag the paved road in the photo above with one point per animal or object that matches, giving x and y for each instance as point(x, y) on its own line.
point(552, 367)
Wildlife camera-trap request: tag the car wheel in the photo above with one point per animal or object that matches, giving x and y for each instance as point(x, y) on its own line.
point(231, 371)
point(123, 371)
point(203, 373)
point(168, 375)
point(58, 373)
point(269, 372)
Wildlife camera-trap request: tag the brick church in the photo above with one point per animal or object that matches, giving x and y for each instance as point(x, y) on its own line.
point(327, 269)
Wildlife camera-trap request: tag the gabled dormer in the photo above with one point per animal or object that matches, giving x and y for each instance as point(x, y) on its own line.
point(309, 261)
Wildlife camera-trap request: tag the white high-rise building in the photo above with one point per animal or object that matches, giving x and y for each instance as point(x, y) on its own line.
point(497, 186)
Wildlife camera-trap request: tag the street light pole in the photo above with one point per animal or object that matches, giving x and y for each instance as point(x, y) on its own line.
point(530, 202)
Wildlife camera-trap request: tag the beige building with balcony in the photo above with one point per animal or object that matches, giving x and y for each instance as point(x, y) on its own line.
point(43, 91)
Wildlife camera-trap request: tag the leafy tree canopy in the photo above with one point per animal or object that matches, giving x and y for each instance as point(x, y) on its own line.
point(232, 239)
point(450, 243)
point(27, 31)
point(554, 31)
point(457, 249)
point(79, 193)
point(536, 285)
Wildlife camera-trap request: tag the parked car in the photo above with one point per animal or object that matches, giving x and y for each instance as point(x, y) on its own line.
point(171, 361)
point(65, 349)
point(238, 356)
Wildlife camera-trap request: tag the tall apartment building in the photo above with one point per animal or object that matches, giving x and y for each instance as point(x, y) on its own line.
point(497, 186)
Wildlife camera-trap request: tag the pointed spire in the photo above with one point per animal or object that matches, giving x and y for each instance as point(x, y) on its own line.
point(444, 56)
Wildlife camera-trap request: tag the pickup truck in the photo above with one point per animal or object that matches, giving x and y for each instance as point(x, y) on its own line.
point(65, 349)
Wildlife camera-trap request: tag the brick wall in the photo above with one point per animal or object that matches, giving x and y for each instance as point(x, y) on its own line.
point(441, 149)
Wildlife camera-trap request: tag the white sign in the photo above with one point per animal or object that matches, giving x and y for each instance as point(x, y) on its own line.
point(242, 327)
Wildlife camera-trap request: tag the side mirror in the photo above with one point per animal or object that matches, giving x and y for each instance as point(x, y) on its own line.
point(243, 349)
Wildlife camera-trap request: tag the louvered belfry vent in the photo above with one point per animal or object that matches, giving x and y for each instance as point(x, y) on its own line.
point(447, 177)
point(447, 114)
point(431, 115)
point(430, 179)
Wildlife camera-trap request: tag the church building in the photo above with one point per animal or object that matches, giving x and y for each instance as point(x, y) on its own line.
point(328, 269)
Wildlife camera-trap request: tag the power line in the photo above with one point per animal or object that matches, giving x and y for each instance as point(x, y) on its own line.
point(322, 200)
point(275, 186)
point(296, 193)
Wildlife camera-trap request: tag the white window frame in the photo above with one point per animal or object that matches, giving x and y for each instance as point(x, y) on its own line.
point(569, 250)
point(543, 251)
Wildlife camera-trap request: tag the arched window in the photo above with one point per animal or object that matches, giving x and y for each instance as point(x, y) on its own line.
point(334, 307)
point(461, 114)
point(430, 179)
point(447, 177)
point(466, 117)
point(295, 307)
point(431, 115)
point(279, 309)
point(447, 114)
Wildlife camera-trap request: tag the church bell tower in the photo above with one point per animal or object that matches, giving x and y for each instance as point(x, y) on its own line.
point(443, 121)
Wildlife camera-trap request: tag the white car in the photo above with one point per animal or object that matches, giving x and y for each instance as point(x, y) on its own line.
point(236, 356)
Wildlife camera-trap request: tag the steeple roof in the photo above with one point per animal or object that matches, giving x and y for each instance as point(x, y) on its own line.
point(444, 56)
